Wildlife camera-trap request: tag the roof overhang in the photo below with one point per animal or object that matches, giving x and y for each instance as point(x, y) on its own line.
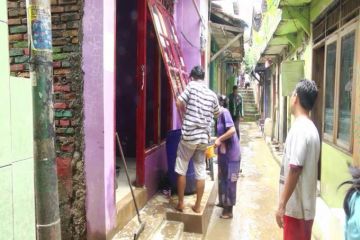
point(291, 30)
point(227, 32)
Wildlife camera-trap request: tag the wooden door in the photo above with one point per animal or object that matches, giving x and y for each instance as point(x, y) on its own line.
point(318, 77)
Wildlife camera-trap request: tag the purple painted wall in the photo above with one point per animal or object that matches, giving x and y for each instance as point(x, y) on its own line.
point(98, 66)
point(187, 24)
point(99, 109)
point(155, 169)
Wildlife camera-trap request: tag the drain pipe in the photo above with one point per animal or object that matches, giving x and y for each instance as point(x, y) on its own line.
point(41, 72)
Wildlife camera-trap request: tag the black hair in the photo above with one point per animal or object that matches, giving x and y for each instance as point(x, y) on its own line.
point(235, 87)
point(197, 73)
point(222, 100)
point(355, 187)
point(307, 92)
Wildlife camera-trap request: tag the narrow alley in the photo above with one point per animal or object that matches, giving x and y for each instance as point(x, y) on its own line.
point(257, 185)
point(116, 116)
point(254, 212)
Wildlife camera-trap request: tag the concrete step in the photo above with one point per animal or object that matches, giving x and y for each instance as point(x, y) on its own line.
point(125, 207)
point(250, 107)
point(159, 213)
point(151, 226)
point(153, 215)
point(251, 110)
point(251, 118)
point(196, 222)
point(192, 236)
point(245, 90)
point(169, 230)
point(251, 113)
point(245, 95)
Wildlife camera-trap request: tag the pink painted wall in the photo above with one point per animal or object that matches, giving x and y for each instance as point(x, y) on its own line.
point(98, 66)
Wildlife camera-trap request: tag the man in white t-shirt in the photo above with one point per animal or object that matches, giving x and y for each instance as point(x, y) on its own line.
point(298, 177)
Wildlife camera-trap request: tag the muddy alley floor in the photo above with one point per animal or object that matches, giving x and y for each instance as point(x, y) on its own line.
point(257, 194)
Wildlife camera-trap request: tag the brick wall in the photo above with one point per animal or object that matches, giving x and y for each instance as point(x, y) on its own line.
point(68, 101)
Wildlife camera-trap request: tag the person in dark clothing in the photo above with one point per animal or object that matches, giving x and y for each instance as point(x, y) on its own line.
point(235, 105)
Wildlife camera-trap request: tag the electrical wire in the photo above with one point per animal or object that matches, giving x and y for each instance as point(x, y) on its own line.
point(187, 40)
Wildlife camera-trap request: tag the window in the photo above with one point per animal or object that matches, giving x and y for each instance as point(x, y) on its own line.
point(329, 88)
point(345, 89)
point(169, 46)
point(339, 73)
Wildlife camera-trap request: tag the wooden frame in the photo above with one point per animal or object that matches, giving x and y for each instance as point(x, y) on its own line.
point(356, 94)
point(330, 41)
point(169, 47)
point(336, 38)
point(351, 29)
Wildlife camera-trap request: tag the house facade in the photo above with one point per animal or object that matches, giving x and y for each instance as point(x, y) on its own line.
point(113, 72)
point(316, 40)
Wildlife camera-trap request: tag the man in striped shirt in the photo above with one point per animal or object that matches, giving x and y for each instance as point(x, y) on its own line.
point(200, 105)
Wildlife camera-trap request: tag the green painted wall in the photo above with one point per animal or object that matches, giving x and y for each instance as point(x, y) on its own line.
point(17, 201)
point(214, 68)
point(317, 7)
point(307, 57)
point(214, 76)
point(230, 82)
point(334, 171)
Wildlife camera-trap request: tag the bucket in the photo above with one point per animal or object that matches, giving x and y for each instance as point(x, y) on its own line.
point(172, 142)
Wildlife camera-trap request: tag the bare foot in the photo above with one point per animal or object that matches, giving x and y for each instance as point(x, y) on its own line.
point(180, 207)
point(196, 209)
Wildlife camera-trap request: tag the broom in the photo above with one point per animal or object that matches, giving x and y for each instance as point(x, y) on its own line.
point(142, 224)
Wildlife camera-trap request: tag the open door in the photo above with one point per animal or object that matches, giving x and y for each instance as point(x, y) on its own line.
point(169, 46)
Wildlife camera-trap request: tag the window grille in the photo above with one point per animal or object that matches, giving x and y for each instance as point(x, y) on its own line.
point(340, 13)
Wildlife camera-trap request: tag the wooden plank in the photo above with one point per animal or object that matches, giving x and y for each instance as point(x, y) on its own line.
point(226, 46)
point(226, 27)
point(356, 138)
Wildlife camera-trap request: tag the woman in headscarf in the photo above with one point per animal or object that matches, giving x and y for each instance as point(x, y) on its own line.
point(352, 206)
point(228, 149)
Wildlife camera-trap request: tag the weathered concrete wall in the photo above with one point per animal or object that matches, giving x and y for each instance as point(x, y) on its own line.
point(68, 102)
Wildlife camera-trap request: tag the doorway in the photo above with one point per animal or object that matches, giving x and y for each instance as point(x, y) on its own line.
point(158, 95)
point(318, 77)
point(126, 93)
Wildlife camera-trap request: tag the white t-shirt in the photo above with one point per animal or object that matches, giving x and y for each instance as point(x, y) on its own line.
point(302, 149)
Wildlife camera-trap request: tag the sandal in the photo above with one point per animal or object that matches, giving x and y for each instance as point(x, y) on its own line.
point(219, 205)
point(226, 216)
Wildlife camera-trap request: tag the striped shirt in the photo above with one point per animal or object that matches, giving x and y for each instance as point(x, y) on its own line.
point(201, 108)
